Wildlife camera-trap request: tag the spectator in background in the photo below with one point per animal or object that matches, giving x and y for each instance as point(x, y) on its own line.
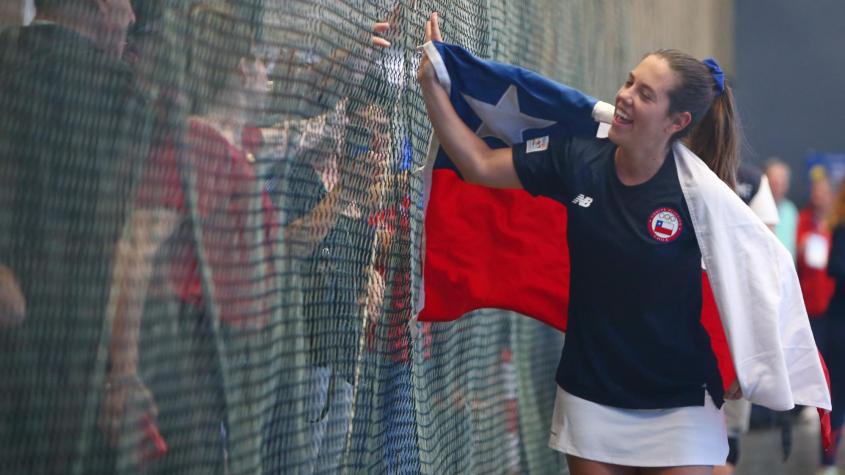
point(321, 182)
point(325, 199)
point(70, 143)
point(778, 175)
point(813, 246)
point(389, 337)
point(208, 234)
point(830, 331)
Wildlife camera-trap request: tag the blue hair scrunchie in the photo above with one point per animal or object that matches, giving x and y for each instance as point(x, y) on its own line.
point(718, 74)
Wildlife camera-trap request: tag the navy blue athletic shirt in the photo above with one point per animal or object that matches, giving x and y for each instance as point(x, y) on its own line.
point(634, 338)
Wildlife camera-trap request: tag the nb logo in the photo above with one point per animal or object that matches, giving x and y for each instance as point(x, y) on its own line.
point(583, 201)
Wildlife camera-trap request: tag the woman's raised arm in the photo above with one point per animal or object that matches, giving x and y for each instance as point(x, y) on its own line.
point(477, 162)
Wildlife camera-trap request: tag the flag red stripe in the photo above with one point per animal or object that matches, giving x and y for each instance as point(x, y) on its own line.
point(488, 248)
point(712, 322)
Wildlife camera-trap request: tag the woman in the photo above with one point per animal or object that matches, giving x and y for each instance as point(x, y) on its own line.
point(639, 389)
point(202, 238)
point(831, 328)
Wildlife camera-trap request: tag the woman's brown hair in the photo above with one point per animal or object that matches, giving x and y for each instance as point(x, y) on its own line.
point(714, 132)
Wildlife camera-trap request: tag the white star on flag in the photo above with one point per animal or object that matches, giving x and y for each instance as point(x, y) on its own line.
point(505, 120)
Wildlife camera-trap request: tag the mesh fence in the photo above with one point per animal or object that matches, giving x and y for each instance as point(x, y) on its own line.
point(217, 230)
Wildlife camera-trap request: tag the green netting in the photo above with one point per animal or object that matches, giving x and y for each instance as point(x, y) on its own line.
point(229, 261)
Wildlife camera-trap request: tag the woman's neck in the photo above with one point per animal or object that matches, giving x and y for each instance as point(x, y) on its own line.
point(229, 125)
point(637, 166)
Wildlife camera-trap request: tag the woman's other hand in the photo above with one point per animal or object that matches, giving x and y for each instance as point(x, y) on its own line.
point(734, 392)
point(379, 29)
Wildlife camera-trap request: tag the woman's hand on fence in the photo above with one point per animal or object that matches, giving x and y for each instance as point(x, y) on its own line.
point(425, 72)
point(379, 29)
point(125, 397)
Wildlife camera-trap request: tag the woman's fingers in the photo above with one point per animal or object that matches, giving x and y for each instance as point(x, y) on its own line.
point(380, 42)
point(428, 30)
point(435, 28)
point(380, 28)
point(734, 392)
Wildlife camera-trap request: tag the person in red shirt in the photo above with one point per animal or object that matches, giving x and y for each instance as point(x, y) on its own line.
point(813, 247)
point(200, 210)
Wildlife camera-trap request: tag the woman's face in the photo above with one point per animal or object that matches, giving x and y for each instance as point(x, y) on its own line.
point(821, 196)
point(642, 105)
point(256, 88)
point(116, 18)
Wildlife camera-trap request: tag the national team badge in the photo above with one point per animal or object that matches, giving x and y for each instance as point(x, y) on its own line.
point(537, 145)
point(665, 224)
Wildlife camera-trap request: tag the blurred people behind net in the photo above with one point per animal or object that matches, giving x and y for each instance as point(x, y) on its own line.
point(389, 413)
point(322, 171)
point(200, 206)
point(71, 138)
point(324, 195)
point(778, 174)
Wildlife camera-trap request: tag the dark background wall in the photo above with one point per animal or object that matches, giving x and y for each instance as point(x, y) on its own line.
point(790, 80)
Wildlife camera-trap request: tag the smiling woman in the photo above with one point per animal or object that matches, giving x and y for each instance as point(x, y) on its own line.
point(670, 91)
point(639, 386)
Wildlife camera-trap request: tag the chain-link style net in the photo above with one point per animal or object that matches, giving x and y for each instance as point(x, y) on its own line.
point(210, 237)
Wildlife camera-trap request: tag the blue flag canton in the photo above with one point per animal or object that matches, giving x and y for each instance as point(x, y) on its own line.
point(507, 105)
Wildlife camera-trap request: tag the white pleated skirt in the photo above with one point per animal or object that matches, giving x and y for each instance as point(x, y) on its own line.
point(694, 435)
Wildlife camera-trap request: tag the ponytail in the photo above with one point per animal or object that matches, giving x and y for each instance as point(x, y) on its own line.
point(716, 138)
point(713, 133)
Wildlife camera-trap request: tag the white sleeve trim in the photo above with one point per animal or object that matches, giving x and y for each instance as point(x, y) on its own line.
point(603, 112)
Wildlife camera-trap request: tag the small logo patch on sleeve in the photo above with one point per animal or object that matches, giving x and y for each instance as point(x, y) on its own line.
point(537, 145)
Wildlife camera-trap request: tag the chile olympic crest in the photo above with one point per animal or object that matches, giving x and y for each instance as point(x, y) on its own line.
point(664, 224)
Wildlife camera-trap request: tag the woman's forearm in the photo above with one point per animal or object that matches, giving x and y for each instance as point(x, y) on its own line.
point(477, 162)
point(149, 229)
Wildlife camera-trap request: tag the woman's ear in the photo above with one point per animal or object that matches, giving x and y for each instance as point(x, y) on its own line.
point(244, 70)
point(680, 121)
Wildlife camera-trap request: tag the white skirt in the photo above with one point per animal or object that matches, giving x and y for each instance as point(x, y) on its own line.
point(693, 435)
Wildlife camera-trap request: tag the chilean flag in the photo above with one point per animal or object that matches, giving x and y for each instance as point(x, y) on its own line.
point(661, 227)
point(491, 248)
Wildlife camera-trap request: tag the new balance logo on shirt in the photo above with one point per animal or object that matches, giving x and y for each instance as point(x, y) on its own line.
point(583, 201)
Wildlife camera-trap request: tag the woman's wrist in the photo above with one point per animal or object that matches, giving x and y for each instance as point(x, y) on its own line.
point(428, 81)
